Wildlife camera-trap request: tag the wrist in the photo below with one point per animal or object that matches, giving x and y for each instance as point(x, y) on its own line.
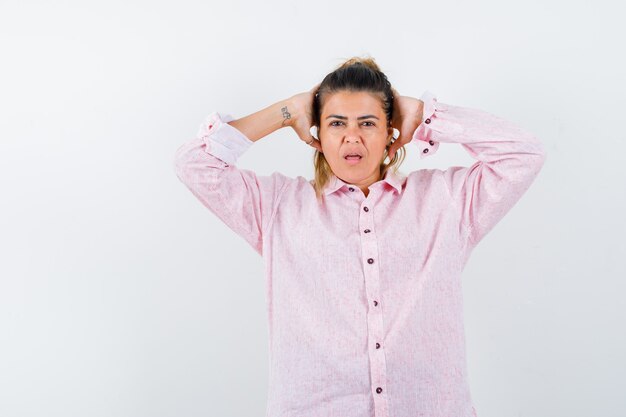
point(285, 111)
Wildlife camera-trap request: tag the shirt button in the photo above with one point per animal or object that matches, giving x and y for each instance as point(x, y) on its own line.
point(366, 209)
point(351, 189)
point(375, 302)
point(370, 261)
point(425, 150)
point(367, 230)
point(427, 121)
point(431, 142)
point(377, 345)
point(379, 390)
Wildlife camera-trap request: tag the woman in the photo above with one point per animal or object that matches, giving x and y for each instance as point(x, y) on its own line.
point(363, 264)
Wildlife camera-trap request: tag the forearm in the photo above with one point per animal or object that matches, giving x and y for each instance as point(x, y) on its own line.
point(487, 137)
point(507, 160)
point(263, 122)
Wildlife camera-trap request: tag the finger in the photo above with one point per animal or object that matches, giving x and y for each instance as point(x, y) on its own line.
point(308, 139)
point(304, 134)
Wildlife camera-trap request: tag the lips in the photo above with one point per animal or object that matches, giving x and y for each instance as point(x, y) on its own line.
point(353, 153)
point(353, 159)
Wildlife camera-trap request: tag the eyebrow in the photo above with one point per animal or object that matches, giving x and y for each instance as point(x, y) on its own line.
point(367, 116)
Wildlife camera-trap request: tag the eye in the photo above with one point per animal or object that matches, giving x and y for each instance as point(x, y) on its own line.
point(338, 121)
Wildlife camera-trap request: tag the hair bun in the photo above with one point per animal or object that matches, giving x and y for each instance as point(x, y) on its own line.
point(367, 61)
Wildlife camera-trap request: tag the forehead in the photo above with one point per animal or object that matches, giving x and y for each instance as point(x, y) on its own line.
point(348, 103)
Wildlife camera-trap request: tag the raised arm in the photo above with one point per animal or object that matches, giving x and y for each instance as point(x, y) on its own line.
point(294, 112)
point(508, 158)
point(240, 198)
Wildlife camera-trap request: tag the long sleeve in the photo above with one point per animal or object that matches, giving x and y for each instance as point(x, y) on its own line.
point(508, 160)
point(240, 198)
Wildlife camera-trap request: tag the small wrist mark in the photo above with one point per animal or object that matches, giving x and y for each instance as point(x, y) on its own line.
point(286, 115)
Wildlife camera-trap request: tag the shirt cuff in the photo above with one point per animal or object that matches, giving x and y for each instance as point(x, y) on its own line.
point(426, 146)
point(223, 140)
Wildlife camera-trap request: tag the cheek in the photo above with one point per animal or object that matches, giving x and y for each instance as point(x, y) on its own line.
point(329, 146)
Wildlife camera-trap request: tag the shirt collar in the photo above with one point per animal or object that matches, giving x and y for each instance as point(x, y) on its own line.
point(391, 178)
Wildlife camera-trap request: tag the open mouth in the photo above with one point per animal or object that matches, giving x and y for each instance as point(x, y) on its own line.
point(353, 159)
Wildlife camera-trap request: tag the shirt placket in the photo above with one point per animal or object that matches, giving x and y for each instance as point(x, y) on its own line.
point(369, 251)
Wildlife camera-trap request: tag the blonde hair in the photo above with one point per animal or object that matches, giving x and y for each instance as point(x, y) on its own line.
point(354, 74)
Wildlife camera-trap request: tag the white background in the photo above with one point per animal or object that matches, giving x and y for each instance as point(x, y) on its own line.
point(121, 295)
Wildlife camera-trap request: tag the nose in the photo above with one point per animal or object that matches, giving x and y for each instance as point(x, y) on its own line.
point(352, 134)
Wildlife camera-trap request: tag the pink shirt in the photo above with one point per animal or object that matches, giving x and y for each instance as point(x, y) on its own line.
point(363, 294)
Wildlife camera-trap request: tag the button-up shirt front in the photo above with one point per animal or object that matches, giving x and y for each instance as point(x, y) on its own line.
point(364, 296)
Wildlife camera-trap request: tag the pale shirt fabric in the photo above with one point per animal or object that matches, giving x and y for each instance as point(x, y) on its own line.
point(364, 296)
